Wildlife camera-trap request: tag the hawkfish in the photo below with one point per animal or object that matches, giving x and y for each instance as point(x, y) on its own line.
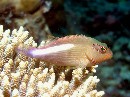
point(73, 50)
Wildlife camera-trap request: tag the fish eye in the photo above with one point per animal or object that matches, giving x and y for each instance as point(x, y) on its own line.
point(103, 49)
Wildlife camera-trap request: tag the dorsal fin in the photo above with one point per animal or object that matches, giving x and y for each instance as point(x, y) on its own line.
point(75, 39)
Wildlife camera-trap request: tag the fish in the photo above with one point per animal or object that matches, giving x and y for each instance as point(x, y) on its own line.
point(73, 50)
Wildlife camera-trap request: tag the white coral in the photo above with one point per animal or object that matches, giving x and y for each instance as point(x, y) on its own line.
point(22, 76)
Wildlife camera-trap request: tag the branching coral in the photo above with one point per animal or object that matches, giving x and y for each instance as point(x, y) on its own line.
point(22, 76)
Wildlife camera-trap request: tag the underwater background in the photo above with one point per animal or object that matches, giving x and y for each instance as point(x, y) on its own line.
point(106, 20)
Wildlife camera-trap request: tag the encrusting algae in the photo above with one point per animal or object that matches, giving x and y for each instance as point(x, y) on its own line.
point(23, 76)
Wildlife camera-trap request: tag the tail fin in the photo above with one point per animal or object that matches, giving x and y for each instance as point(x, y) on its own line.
point(25, 50)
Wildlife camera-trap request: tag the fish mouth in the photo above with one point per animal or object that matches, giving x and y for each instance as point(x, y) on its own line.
point(106, 57)
point(110, 54)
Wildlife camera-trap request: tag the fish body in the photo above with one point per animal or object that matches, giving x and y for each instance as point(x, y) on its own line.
point(73, 50)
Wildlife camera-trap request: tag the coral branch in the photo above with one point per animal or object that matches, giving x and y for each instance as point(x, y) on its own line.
point(22, 76)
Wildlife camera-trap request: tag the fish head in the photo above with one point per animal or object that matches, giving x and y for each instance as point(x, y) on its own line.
point(98, 52)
